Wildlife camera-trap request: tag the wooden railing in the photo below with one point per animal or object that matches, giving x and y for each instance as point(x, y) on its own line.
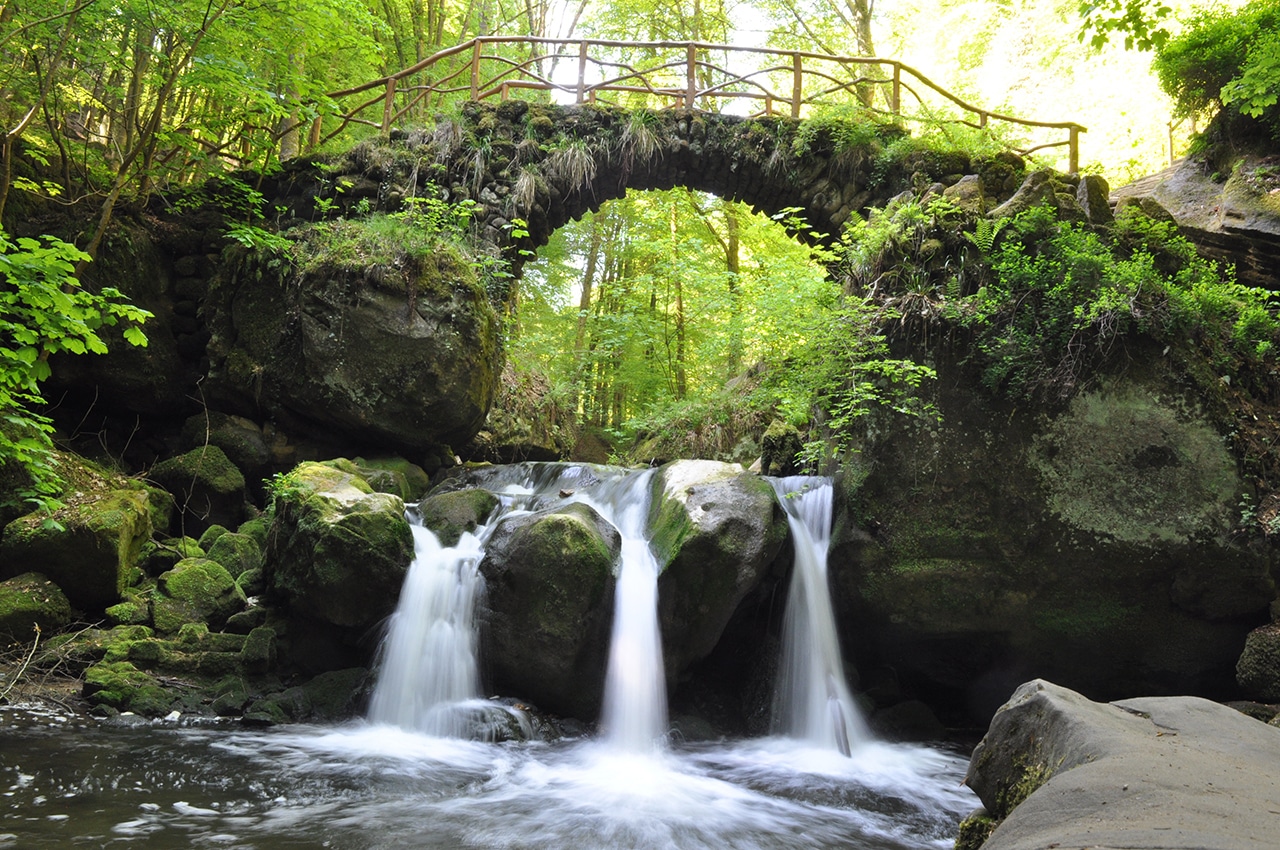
point(755, 81)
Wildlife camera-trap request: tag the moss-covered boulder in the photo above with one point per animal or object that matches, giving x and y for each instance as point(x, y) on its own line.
point(31, 600)
point(239, 553)
point(1009, 541)
point(360, 340)
point(159, 556)
point(779, 449)
point(396, 476)
point(448, 515)
point(715, 530)
point(549, 579)
point(1258, 670)
point(207, 487)
point(121, 686)
point(329, 697)
point(90, 549)
point(339, 551)
point(240, 439)
point(196, 590)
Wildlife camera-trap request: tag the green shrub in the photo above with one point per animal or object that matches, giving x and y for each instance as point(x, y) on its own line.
point(1226, 59)
point(1061, 294)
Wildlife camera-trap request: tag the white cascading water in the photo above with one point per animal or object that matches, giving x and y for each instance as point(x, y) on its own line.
point(429, 658)
point(812, 701)
point(635, 692)
point(429, 667)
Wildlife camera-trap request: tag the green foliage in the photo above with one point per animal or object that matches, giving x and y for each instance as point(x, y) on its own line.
point(44, 311)
point(842, 372)
point(1061, 294)
point(985, 231)
point(845, 128)
point(1226, 59)
point(1140, 21)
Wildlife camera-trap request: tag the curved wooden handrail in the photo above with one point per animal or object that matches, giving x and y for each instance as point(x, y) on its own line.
point(683, 77)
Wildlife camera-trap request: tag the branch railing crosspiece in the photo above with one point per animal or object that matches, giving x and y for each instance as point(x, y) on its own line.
point(674, 74)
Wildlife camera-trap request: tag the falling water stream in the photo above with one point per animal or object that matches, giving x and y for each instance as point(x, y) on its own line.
point(404, 779)
point(812, 701)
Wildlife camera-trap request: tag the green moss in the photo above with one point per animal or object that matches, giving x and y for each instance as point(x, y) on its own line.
point(207, 539)
point(134, 611)
point(1031, 774)
point(257, 528)
point(569, 539)
point(1088, 615)
point(259, 650)
point(448, 515)
point(239, 553)
point(207, 465)
point(31, 600)
point(1137, 468)
point(93, 555)
point(974, 831)
point(124, 687)
point(196, 590)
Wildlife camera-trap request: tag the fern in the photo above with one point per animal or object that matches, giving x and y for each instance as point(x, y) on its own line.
point(985, 231)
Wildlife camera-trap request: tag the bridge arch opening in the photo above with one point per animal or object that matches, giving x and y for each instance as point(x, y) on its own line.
point(675, 310)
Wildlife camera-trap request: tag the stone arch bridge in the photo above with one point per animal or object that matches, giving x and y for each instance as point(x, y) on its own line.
point(528, 169)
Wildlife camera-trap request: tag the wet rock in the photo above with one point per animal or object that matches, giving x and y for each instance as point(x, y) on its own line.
point(549, 585)
point(714, 529)
point(394, 475)
point(329, 697)
point(1002, 543)
point(448, 515)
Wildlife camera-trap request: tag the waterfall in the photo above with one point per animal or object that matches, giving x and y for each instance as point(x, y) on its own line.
point(429, 658)
point(428, 666)
point(635, 693)
point(812, 702)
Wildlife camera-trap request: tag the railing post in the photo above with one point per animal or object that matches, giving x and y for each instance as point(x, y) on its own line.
point(797, 84)
point(389, 105)
point(582, 71)
point(1073, 160)
point(475, 71)
point(313, 138)
point(691, 78)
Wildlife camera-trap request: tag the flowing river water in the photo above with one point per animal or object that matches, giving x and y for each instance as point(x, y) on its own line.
point(404, 779)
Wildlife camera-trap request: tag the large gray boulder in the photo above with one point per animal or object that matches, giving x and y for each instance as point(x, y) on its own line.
point(1157, 772)
point(403, 352)
point(715, 530)
point(549, 592)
